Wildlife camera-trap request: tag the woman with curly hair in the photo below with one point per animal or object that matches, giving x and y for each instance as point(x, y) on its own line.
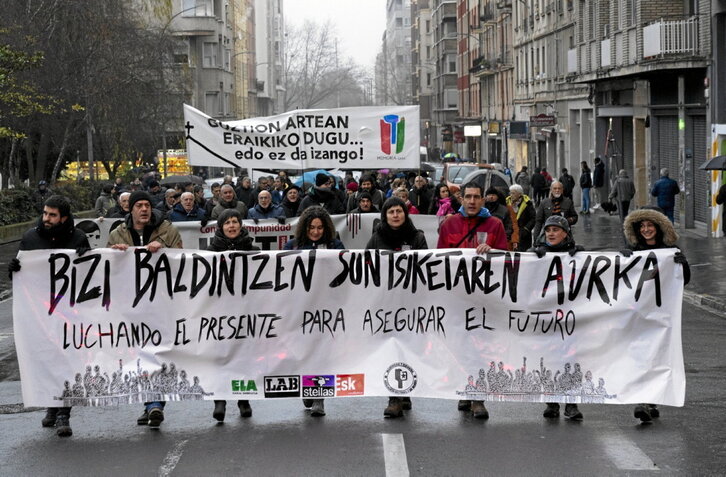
point(314, 231)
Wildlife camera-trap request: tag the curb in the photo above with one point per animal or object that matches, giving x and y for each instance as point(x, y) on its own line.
point(708, 302)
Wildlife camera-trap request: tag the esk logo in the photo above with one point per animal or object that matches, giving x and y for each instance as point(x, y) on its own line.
point(350, 384)
point(282, 386)
point(318, 386)
point(400, 378)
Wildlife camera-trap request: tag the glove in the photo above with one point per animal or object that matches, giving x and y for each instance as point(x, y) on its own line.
point(540, 251)
point(281, 220)
point(13, 266)
point(626, 252)
point(577, 248)
point(679, 258)
point(204, 221)
point(82, 249)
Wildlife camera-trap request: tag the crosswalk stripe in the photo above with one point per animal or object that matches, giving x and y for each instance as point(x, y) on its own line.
point(394, 453)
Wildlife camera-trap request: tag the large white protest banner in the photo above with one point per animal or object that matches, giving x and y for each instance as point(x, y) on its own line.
point(368, 137)
point(115, 327)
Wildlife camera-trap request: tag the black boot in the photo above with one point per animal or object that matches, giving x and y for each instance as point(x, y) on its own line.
point(245, 410)
point(479, 410)
point(63, 426)
point(464, 406)
point(49, 419)
point(308, 403)
point(643, 413)
point(552, 411)
point(220, 408)
point(571, 412)
point(394, 408)
point(406, 403)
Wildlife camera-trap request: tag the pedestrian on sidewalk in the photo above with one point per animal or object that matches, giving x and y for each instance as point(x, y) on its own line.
point(557, 237)
point(55, 230)
point(721, 200)
point(598, 182)
point(665, 190)
point(568, 182)
point(623, 192)
point(585, 185)
point(648, 229)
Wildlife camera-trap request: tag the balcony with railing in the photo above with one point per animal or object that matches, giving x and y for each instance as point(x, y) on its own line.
point(671, 38)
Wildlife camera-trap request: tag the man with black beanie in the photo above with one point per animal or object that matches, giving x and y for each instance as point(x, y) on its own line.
point(145, 226)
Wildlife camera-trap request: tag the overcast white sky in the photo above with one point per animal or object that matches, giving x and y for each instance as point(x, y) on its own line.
point(359, 24)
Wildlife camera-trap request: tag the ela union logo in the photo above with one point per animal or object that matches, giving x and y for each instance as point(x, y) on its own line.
point(241, 386)
point(318, 386)
point(282, 386)
point(400, 378)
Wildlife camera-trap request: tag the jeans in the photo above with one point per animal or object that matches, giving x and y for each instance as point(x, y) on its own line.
point(586, 199)
point(669, 213)
point(154, 404)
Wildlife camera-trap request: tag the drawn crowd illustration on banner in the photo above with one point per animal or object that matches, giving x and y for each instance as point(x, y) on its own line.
point(368, 137)
point(115, 327)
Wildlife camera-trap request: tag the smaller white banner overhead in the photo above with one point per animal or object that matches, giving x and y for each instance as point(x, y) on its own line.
point(371, 137)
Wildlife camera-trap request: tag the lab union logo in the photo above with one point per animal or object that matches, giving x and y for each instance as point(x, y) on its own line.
point(400, 378)
point(282, 386)
point(318, 386)
point(393, 133)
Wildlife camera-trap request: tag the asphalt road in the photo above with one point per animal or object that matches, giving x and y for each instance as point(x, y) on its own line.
point(354, 439)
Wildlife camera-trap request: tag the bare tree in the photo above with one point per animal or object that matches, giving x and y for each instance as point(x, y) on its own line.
point(315, 73)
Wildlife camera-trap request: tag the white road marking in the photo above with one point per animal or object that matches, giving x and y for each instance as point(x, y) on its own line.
point(394, 453)
point(624, 453)
point(172, 458)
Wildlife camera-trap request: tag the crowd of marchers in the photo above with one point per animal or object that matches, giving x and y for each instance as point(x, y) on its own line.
point(472, 217)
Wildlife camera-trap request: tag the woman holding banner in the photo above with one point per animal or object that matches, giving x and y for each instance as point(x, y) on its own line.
point(230, 235)
point(556, 236)
point(314, 231)
point(396, 232)
point(646, 229)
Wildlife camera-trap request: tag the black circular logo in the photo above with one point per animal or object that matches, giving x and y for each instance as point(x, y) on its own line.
point(400, 378)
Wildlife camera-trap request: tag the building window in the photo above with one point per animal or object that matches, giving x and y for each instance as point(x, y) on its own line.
point(211, 103)
point(227, 104)
point(227, 59)
point(197, 8)
point(209, 55)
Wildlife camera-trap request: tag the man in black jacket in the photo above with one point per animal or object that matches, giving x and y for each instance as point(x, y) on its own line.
point(55, 230)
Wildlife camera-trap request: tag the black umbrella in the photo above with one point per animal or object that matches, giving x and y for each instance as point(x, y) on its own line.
point(717, 163)
point(171, 180)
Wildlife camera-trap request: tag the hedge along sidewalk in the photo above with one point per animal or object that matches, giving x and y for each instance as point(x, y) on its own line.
point(14, 232)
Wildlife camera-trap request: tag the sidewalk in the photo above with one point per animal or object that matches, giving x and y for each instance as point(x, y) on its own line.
point(706, 256)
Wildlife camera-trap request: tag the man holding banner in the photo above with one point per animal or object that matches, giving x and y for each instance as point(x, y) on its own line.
point(55, 230)
point(473, 227)
point(145, 226)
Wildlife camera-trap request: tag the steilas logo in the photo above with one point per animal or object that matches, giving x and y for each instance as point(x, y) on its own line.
point(393, 133)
